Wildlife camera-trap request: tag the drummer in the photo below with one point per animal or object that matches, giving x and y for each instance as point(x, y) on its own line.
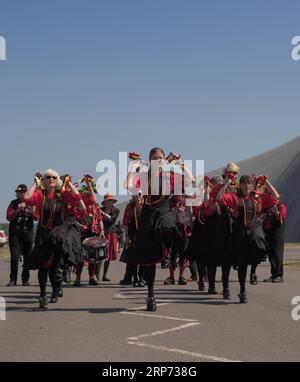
point(92, 221)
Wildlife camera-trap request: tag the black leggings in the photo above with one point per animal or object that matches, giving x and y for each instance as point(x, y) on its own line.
point(242, 274)
point(149, 274)
point(211, 273)
point(201, 271)
point(225, 275)
point(55, 279)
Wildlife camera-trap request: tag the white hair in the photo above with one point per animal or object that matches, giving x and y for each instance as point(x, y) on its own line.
point(54, 173)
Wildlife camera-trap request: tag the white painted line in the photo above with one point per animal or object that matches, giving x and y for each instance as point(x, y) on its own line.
point(184, 352)
point(164, 331)
point(119, 296)
point(157, 316)
point(145, 306)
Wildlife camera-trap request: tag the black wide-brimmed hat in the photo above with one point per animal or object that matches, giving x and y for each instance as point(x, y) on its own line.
point(21, 187)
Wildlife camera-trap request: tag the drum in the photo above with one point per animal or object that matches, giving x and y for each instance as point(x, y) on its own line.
point(95, 249)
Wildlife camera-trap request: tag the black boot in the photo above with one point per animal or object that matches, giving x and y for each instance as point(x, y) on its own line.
point(53, 299)
point(243, 298)
point(11, 283)
point(151, 304)
point(212, 290)
point(226, 294)
point(43, 302)
point(253, 279)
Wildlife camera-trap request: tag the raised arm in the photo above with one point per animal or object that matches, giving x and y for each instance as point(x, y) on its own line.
point(223, 189)
point(273, 190)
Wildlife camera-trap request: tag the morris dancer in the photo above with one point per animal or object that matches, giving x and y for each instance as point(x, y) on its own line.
point(50, 202)
point(158, 223)
point(248, 241)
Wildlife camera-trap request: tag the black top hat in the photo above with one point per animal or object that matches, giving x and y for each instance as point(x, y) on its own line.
point(21, 187)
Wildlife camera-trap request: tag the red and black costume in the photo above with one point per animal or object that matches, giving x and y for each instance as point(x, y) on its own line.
point(210, 234)
point(157, 226)
point(111, 232)
point(49, 242)
point(248, 245)
point(90, 219)
point(181, 240)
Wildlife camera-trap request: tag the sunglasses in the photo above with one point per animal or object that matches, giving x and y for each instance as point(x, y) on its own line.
point(51, 177)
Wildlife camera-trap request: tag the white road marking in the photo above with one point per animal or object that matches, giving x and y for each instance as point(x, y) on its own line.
point(135, 340)
point(157, 316)
point(123, 297)
point(184, 352)
point(120, 296)
point(145, 306)
point(164, 331)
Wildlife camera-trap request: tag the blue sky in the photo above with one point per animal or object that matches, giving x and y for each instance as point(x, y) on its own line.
point(83, 80)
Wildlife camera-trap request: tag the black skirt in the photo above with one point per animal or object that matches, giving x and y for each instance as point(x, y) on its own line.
point(208, 244)
point(248, 246)
point(42, 251)
point(150, 242)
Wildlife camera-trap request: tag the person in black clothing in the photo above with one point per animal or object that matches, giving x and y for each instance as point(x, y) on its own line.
point(21, 234)
point(158, 228)
point(51, 202)
point(121, 236)
point(248, 243)
point(110, 215)
point(273, 225)
point(131, 222)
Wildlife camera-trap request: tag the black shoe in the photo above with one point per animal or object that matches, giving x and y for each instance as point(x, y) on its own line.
point(77, 283)
point(269, 279)
point(67, 278)
point(169, 281)
point(60, 293)
point(25, 283)
point(277, 280)
point(182, 281)
point(253, 279)
point(226, 294)
point(125, 282)
point(93, 282)
point(201, 286)
point(53, 299)
point(212, 291)
point(12, 283)
point(43, 303)
point(151, 304)
point(165, 263)
point(136, 284)
point(243, 298)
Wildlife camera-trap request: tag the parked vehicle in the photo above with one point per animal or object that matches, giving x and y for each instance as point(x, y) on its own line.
point(3, 238)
